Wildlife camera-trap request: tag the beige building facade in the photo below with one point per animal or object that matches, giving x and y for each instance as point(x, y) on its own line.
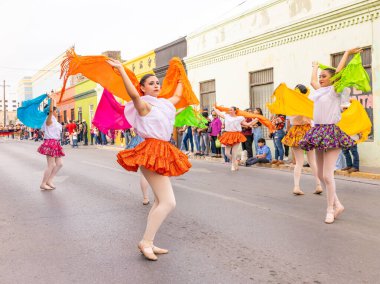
point(241, 60)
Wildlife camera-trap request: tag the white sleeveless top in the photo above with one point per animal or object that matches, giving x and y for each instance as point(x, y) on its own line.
point(326, 106)
point(233, 123)
point(53, 131)
point(158, 123)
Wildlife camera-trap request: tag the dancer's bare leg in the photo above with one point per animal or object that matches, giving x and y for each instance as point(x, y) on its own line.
point(144, 189)
point(326, 161)
point(164, 197)
point(228, 152)
point(313, 165)
point(57, 167)
point(298, 155)
point(49, 169)
point(234, 150)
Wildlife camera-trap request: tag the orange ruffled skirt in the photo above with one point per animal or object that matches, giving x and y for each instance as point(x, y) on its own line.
point(155, 155)
point(231, 138)
point(295, 134)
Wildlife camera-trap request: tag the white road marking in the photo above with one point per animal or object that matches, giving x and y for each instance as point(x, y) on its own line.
point(221, 196)
point(108, 168)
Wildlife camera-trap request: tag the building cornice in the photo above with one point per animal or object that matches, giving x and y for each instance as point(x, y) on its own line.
point(161, 48)
point(349, 16)
point(85, 95)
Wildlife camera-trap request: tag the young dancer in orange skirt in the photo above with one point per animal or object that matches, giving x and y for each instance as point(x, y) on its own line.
point(300, 126)
point(232, 135)
point(153, 120)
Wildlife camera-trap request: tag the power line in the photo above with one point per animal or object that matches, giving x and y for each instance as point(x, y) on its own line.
point(29, 69)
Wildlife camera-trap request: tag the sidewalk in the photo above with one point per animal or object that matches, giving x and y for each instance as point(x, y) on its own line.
point(365, 172)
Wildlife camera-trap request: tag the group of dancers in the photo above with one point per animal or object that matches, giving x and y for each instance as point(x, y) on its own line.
point(151, 111)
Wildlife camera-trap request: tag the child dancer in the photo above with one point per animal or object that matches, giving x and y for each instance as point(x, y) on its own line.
point(51, 147)
point(300, 126)
point(232, 135)
point(326, 137)
point(153, 120)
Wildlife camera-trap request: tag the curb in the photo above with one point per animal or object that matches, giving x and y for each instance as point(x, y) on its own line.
point(291, 167)
point(285, 167)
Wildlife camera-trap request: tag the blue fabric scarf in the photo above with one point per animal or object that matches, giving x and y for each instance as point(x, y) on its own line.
point(29, 113)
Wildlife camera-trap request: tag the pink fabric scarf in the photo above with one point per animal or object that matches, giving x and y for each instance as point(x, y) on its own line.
point(110, 114)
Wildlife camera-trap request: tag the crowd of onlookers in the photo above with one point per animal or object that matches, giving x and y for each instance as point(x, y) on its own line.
point(199, 141)
point(204, 141)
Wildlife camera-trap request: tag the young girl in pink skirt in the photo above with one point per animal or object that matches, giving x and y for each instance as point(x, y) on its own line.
point(326, 137)
point(51, 147)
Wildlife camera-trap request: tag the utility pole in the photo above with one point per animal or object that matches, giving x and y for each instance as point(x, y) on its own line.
point(5, 111)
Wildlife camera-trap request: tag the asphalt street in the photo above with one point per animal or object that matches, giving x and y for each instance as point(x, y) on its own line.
point(228, 227)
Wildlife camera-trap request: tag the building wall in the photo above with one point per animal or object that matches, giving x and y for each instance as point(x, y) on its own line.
point(25, 90)
point(288, 44)
point(47, 78)
point(142, 65)
point(177, 48)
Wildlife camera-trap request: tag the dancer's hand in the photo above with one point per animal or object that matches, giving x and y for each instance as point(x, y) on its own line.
point(354, 50)
point(115, 63)
point(315, 64)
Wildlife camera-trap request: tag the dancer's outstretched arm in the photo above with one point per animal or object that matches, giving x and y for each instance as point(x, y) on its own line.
point(49, 120)
point(314, 76)
point(177, 94)
point(344, 59)
point(219, 113)
point(142, 107)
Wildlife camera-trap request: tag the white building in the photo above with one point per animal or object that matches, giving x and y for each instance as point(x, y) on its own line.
point(241, 60)
point(25, 90)
point(47, 78)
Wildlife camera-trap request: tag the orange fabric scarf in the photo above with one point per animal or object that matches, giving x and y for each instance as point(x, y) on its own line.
point(263, 120)
point(98, 70)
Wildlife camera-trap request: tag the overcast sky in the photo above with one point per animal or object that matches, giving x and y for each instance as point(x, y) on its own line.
point(34, 32)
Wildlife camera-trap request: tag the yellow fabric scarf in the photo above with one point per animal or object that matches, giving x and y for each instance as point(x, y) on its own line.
point(354, 120)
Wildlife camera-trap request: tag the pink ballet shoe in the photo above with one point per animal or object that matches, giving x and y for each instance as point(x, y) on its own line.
point(297, 191)
point(146, 248)
point(318, 189)
point(338, 211)
point(158, 250)
point(45, 187)
point(329, 217)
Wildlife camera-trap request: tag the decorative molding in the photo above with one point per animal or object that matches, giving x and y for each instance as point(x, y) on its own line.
point(85, 95)
point(316, 26)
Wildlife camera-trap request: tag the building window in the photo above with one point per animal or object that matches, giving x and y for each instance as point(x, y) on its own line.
point(91, 113)
point(80, 114)
point(261, 89)
point(72, 114)
point(207, 94)
point(65, 116)
point(366, 99)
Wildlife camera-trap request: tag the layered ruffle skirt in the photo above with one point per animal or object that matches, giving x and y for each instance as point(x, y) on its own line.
point(324, 137)
point(155, 155)
point(51, 147)
point(231, 138)
point(295, 134)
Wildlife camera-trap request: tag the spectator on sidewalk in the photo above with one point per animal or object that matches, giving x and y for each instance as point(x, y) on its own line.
point(187, 137)
point(214, 130)
point(75, 138)
point(278, 121)
point(263, 154)
point(352, 163)
point(203, 135)
point(256, 128)
point(85, 132)
point(247, 132)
